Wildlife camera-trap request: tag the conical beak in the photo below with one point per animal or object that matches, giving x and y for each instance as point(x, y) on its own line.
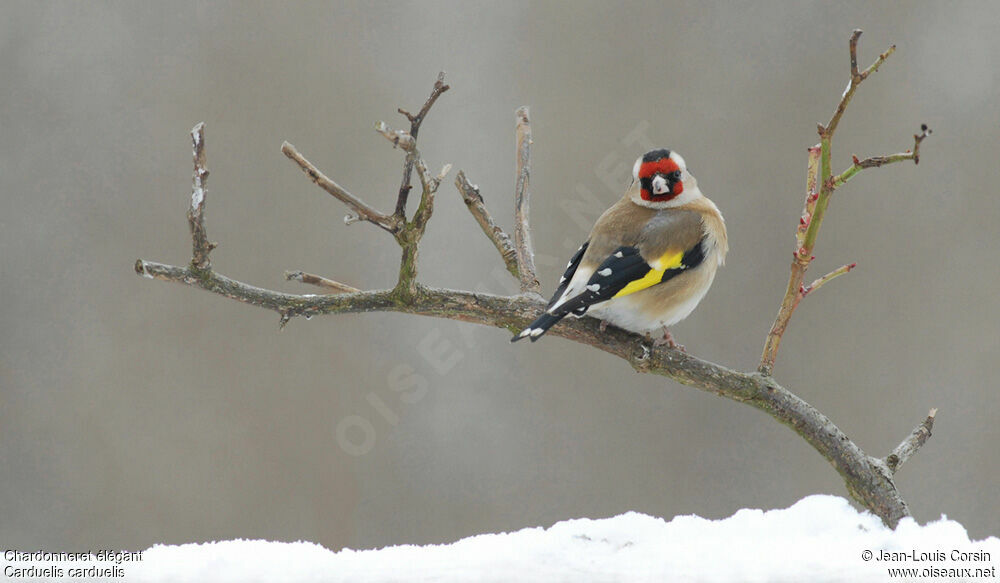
point(660, 185)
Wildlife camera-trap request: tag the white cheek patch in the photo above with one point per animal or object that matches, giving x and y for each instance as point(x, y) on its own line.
point(635, 169)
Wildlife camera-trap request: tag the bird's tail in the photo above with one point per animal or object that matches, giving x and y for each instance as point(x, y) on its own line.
point(539, 326)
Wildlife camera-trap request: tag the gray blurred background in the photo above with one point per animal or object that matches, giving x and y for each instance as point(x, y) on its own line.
point(134, 412)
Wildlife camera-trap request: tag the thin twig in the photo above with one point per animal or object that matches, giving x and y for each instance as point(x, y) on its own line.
point(474, 201)
point(812, 194)
point(818, 193)
point(200, 245)
point(399, 138)
point(853, 48)
point(436, 91)
point(911, 444)
point(826, 136)
point(855, 80)
point(815, 285)
point(360, 208)
point(415, 121)
point(522, 234)
point(800, 262)
point(320, 281)
point(879, 161)
point(430, 186)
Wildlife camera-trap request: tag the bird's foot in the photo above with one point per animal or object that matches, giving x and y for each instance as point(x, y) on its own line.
point(603, 327)
point(668, 340)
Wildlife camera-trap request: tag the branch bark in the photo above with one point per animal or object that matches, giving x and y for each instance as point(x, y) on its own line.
point(361, 209)
point(477, 206)
point(909, 446)
point(869, 480)
point(412, 156)
point(200, 245)
point(320, 281)
point(864, 478)
point(879, 161)
point(522, 235)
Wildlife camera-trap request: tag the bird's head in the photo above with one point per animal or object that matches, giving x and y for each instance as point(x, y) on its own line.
point(661, 180)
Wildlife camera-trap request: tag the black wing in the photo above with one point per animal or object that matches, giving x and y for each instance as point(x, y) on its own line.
point(574, 262)
point(621, 268)
point(692, 258)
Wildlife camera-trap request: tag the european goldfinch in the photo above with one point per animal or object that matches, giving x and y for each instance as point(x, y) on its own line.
point(649, 259)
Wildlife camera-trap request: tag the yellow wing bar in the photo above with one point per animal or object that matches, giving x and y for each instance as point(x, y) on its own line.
point(669, 260)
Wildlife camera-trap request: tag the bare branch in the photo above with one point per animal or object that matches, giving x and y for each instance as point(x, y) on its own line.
point(869, 486)
point(361, 210)
point(818, 193)
point(411, 158)
point(200, 244)
point(879, 161)
point(800, 262)
point(852, 84)
point(853, 47)
point(317, 280)
point(833, 274)
point(436, 91)
point(430, 185)
point(812, 194)
point(476, 205)
point(911, 444)
point(429, 181)
point(522, 235)
point(399, 138)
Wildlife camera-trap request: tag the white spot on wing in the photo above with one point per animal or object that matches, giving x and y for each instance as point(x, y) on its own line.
point(575, 286)
point(619, 255)
point(604, 272)
point(594, 287)
point(537, 332)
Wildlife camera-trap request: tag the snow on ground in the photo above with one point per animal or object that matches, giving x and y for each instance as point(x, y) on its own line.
point(820, 538)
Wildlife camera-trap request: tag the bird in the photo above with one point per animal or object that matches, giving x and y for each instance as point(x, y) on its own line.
point(649, 259)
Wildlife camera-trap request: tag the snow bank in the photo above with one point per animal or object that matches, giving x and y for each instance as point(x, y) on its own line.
point(820, 538)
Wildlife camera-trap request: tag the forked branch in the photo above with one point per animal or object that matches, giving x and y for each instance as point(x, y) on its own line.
point(820, 185)
point(868, 479)
point(879, 161)
point(412, 156)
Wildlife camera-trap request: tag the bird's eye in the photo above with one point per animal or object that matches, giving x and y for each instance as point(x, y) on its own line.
point(676, 174)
